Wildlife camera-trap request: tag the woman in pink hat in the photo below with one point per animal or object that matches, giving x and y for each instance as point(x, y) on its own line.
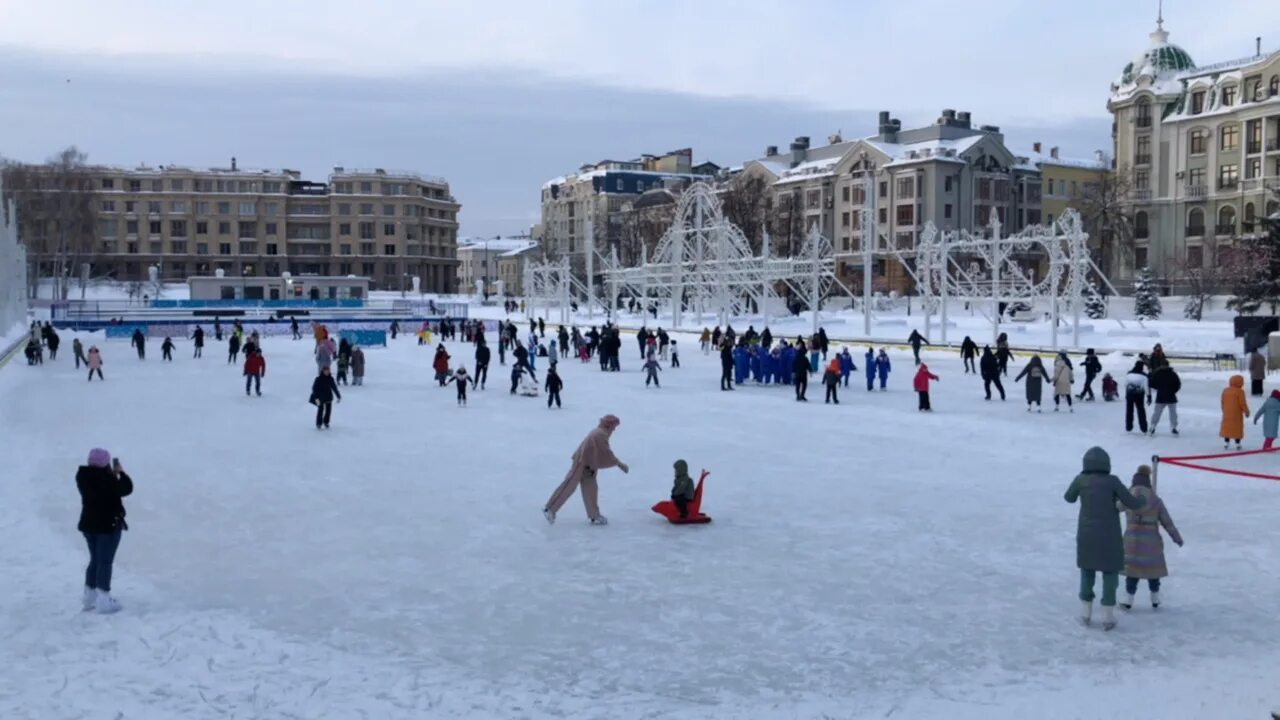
point(592, 455)
point(102, 483)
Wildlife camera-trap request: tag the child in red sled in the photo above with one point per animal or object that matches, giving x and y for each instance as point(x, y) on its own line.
point(682, 492)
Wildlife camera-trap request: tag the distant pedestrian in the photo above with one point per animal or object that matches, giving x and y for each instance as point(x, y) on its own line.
point(554, 386)
point(1257, 372)
point(324, 392)
point(198, 338)
point(139, 341)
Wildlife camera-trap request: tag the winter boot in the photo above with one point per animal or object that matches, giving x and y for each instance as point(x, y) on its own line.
point(90, 599)
point(1127, 603)
point(1108, 617)
point(550, 515)
point(1155, 601)
point(1086, 612)
point(105, 604)
point(599, 520)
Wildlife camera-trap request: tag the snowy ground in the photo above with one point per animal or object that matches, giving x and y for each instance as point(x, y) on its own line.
point(865, 561)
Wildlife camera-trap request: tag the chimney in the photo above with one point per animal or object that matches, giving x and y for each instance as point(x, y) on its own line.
point(1258, 45)
point(233, 162)
point(1036, 147)
point(1053, 152)
point(1099, 156)
point(962, 119)
point(771, 151)
point(948, 117)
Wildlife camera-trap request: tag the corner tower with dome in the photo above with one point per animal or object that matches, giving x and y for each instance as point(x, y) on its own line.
point(1199, 145)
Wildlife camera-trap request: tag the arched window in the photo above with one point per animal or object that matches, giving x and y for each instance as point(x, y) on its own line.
point(1249, 215)
point(1195, 222)
point(1274, 88)
point(1226, 220)
point(1140, 228)
point(1144, 113)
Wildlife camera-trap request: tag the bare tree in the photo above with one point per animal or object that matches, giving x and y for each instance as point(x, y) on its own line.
point(746, 203)
point(1218, 267)
point(56, 218)
point(787, 228)
point(1106, 207)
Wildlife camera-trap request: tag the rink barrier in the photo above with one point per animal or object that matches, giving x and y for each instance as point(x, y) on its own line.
point(9, 353)
point(269, 328)
point(364, 338)
point(1188, 461)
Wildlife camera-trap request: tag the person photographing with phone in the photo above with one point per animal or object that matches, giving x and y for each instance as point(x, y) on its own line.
point(102, 483)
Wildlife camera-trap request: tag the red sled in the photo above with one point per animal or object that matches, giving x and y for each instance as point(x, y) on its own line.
point(668, 509)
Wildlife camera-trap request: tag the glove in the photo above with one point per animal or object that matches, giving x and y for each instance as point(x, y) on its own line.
point(625, 468)
point(1179, 543)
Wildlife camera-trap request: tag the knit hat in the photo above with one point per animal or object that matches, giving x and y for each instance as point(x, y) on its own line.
point(1142, 478)
point(99, 458)
point(610, 422)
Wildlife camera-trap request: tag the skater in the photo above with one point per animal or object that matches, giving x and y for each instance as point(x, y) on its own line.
point(482, 365)
point(921, 385)
point(869, 362)
point(704, 341)
point(217, 330)
point(1036, 375)
point(682, 489)
point(642, 339)
point(1143, 546)
point(1099, 543)
point(395, 329)
point(592, 456)
point(542, 327)
point(94, 363)
point(651, 369)
point(461, 380)
point(324, 354)
point(522, 360)
point(990, 369)
point(1157, 359)
point(846, 365)
point(831, 378)
point(800, 373)
point(255, 368)
point(102, 483)
point(77, 349)
point(344, 351)
point(139, 341)
point(1110, 390)
point(441, 365)
point(166, 350)
point(233, 348)
point(198, 337)
point(1135, 391)
point(726, 365)
point(52, 341)
point(1002, 352)
point(1270, 414)
point(969, 352)
point(1257, 372)
point(883, 367)
point(344, 365)
point(554, 386)
point(1062, 381)
point(675, 354)
point(294, 329)
point(1234, 410)
point(1091, 369)
point(823, 342)
point(916, 340)
point(324, 392)
point(357, 366)
point(1165, 384)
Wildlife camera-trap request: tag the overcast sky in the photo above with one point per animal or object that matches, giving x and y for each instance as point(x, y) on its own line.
point(499, 96)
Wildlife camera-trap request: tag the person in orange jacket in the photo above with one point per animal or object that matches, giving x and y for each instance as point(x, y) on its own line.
point(1234, 411)
point(921, 384)
point(831, 378)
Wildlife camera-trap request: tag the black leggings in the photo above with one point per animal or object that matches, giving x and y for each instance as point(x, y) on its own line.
point(924, 400)
point(482, 374)
point(553, 396)
point(1133, 404)
point(988, 382)
point(324, 410)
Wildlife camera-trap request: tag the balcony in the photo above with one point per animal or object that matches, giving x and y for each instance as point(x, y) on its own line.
point(1251, 184)
point(1142, 195)
point(1197, 192)
point(1144, 122)
point(1142, 159)
point(1273, 144)
point(1195, 231)
point(1247, 226)
point(1225, 230)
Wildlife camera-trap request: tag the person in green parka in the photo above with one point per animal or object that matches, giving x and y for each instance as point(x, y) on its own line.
point(1099, 540)
point(682, 491)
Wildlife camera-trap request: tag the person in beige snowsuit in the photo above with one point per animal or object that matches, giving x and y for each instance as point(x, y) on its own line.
point(593, 455)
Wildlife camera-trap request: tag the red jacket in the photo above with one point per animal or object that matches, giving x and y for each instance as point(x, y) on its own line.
point(441, 363)
point(255, 364)
point(923, 376)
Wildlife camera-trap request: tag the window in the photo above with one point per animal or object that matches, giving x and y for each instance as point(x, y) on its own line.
point(224, 228)
point(202, 208)
point(224, 248)
point(1229, 95)
point(366, 248)
point(108, 184)
point(813, 199)
point(366, 231)
point(248, 208)
point(108, 206)
point(248, 229)
point(273, 249)
point(366, 208)
point(157, 186)
point(344, 208)
point(391, 268)
point(153, 207)
point(1144, 113)
point(1142, 180)
point(884, 215)
point(344, 249)
point(1253, 133)
point(389, 210)
point(1195, 256)
point(271, 186)
point(1253, 168)
point(1230, 137)
point(129, 206)
point(1273, 88)
point(906, 188)
point(135, 186)
point(224, 208)
point(271, 209)
point(153, 227)
point(844, 219)
point(844, 195)
point(946, 211)
point(1197, 102)
point(884, 189)
point(108, 228)
point(1228, 176)
point(344, 229)
point(389, 249)
point(272, 228)
point(388, 228)
point(178, 185)
point(1033, 217)
point(178, 246)
point(131, 227)
point(366, 268)
point(1140, 257)
point(1195, 177)
point(1199, 144)
point(178, 228)
point(1140, 227)
point(202, 248)
point(177, 208)
point(1142, 154)
point(1195, 222)
point(248, 247)
point(906, 214)
point(343, 188)
point(366, 187)
point(1050, 188)
point(202, 227)
point(155, 247)
point(946, 184)
point(1075, 192)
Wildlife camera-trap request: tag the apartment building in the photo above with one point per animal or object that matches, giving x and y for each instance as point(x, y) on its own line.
point(594, 199)
point(1201, 145)
point(511, 267)
point(950, 172)
point(385, 225)
point(478, 261)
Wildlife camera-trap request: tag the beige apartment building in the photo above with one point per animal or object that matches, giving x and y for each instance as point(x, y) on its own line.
point(385, 225)
point(1202, 147)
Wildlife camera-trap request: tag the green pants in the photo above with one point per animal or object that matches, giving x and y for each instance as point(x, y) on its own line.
point(1110, 581)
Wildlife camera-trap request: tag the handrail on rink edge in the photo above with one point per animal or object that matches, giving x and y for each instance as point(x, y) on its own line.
point(1184, 461)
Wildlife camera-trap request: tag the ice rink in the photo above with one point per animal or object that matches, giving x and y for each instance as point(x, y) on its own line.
point(865, 561)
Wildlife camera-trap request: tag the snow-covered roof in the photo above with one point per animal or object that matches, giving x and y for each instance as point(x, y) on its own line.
point(1227, 66)
point(925, 151)
point(807, 170)
point(1035, 160)
point(494, 245)
point(528, 245)
point(1157, 69)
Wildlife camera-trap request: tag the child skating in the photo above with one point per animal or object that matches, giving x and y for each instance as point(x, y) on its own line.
point(461, 380)
point(651, 369)
point(1143, 546)
point(166, 350)
point(554, 386)
point(921, 384)
point(1270, 414)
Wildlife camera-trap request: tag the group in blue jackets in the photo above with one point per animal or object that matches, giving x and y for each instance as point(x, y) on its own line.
point(877, 366)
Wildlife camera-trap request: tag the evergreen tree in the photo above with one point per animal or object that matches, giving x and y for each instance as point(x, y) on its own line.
point(1258, 277)
point(1094, 306)
point(1194, 307)
point(1146, 302)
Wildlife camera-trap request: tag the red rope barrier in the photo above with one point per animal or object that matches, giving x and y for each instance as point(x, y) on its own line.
point(1221, 455)
point(1206, 468)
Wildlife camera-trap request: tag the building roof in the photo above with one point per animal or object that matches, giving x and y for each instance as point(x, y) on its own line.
point(516, 251)
point(1157, 68)
point(493, 245)
point(1099, 161)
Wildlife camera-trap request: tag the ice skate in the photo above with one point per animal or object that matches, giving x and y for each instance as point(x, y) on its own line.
point(1127, 603)
point(1108, 617)
point(550, 515)
point(599, 520)
point(105, 604)
point(1175, 431)
point(1155, 600)
point(1086, 613)
point(90, 599)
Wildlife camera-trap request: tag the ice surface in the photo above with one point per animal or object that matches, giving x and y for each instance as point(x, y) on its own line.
point(865, 561)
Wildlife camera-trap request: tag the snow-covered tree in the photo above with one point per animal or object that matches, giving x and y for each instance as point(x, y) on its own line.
point(1146, 301)
point(1193, 309)
point(1094, 306)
